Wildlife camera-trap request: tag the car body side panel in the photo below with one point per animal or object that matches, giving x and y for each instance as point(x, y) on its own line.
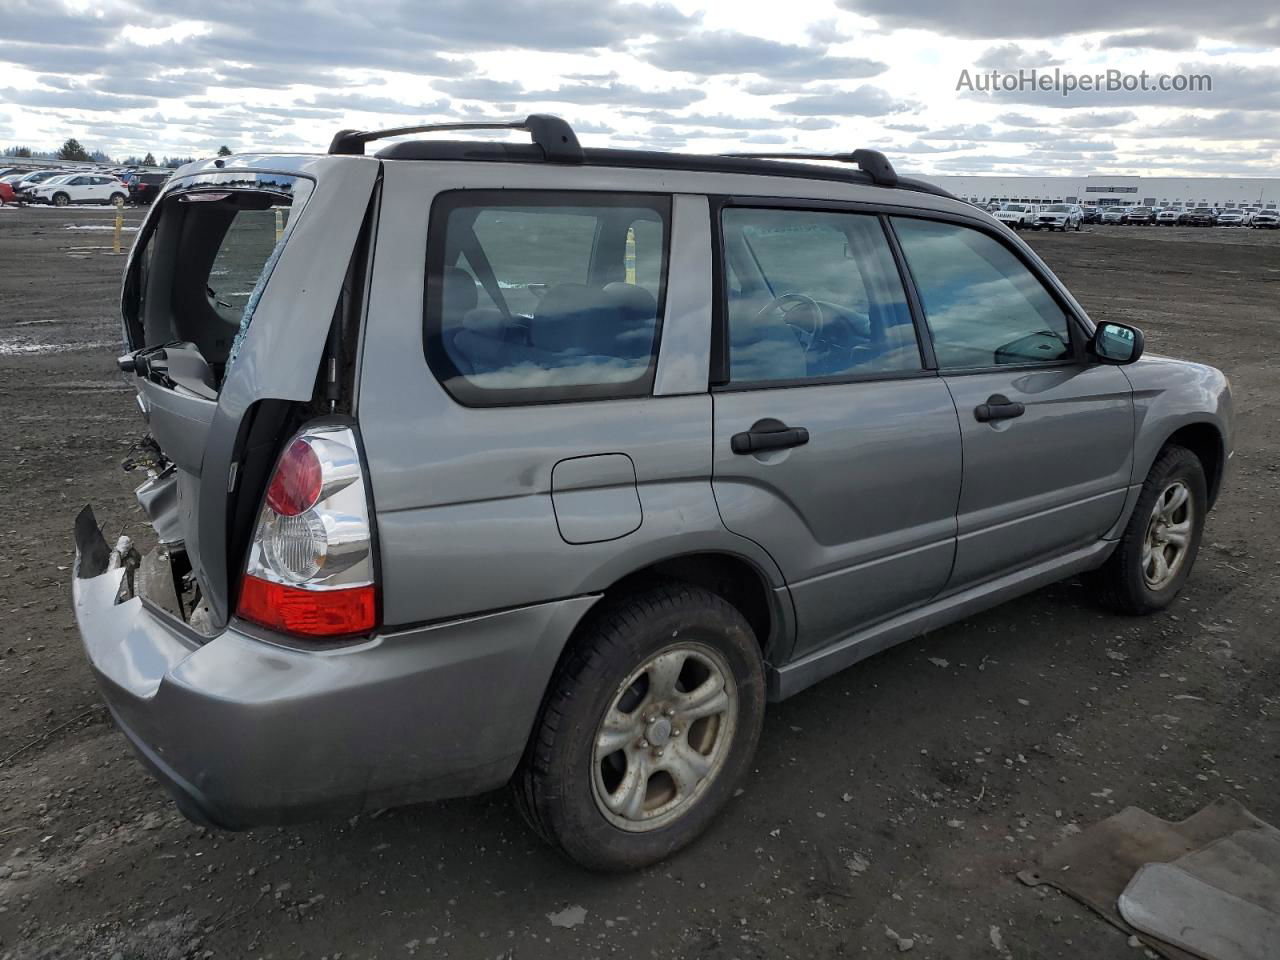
point(1171, 394)
point(463, 495)
point(1045, 482)
point(861, 518)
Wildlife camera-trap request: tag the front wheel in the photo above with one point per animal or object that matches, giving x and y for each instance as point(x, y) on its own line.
point(117, 199)
point(61, 199)
point(649, 726)
point(1160, 542)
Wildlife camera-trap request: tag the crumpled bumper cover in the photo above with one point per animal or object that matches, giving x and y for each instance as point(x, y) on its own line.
point(245, 731)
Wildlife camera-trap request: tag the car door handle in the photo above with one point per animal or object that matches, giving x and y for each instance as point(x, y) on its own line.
point(998, 407)
point(768, 434)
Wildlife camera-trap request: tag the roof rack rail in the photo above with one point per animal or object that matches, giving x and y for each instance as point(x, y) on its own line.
point(871, 162)
point(556, 138)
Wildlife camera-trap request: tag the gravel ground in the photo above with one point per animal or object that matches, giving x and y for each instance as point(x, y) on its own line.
point(890, 808)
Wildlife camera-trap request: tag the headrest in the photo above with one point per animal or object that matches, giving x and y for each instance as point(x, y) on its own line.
point(573, 318)
point(636, 303)
point(459, 294)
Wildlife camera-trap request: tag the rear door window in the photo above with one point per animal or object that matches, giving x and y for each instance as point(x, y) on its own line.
point(537, 296)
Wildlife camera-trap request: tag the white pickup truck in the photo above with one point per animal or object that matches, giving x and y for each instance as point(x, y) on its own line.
point(1017, 215)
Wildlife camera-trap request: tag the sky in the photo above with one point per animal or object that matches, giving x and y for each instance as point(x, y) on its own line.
point(182, 77)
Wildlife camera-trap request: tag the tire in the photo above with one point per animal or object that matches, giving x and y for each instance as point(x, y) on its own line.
point(1078, 225)
point(567, 788)
point(61, 200)
point(118, 199)
point(1124, 582)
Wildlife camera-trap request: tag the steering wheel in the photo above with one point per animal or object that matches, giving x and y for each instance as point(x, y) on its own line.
point(803, 304)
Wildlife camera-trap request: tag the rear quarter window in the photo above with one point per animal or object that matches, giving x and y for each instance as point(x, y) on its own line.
point(534, 297)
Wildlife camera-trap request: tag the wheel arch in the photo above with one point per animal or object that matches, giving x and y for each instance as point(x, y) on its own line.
point(1206, 441)
point(735, 578)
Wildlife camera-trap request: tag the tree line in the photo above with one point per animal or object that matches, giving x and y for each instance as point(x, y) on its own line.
point(73, 150)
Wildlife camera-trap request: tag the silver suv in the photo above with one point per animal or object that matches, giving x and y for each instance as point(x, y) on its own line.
point(482, 463)
point(1059, 216)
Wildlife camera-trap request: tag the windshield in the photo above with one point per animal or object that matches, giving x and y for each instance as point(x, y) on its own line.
point(1058, 208)
point(1115, 209)
point(204, 258)
point(1140, 210)
point(1015, 207)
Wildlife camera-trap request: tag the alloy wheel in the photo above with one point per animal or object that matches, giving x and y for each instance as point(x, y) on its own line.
point(1164, 550)
point(664, 737)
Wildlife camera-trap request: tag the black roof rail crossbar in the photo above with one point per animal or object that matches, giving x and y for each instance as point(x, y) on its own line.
point(871, 162)
point(556, 138)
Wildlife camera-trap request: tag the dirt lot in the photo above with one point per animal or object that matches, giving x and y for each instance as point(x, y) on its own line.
point(901, 796)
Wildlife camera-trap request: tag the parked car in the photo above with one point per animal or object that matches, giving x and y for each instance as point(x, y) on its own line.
point(1017, 215)
point(7, 195)
point(487, 492)
point(30, 180)
point(1266, 220)
point(1230, 218)
point(1115, 215)
point(1169, 217)
point(1092, 215)
point(80, 188)
point(1140, 216)
point(144, 187)
point(1059, 216)
point(1201, 217)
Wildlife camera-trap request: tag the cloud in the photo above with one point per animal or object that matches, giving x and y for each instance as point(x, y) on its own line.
point(866, 101)
point(73, 99)
point(708, 120)
point(1150, 40)
point(372, 104)
point(979, 132)
point(609, 91)
point(1094, 121)
point(1250, 21)
point(480, 88)
point(725, 51)
point(1224, 125)
point(766, 138)
point(1069, 145)
point(826, 32)
point(1020, 120)
point(1010, 56)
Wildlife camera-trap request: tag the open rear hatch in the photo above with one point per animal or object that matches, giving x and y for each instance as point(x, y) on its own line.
point(234, 291)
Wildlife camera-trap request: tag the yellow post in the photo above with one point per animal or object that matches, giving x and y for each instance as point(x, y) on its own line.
point(631, 255)
point(279, 223)
point(115, 245)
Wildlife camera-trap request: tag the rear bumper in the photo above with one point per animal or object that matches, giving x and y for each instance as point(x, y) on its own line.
point(244, 731)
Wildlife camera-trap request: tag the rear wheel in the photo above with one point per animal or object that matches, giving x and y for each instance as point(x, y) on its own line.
point(1160, 542)
point(650, 724)
point(117, 199)
point(61, 199)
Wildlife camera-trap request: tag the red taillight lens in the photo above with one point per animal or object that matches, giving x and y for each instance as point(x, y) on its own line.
point(312, 613)
point(297, 482)
point(310, 570)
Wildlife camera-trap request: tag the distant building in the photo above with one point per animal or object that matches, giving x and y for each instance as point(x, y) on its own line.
point(1105, 190)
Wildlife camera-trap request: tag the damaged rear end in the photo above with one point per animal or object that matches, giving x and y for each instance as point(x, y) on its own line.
point(241, 326)
point(242, 309)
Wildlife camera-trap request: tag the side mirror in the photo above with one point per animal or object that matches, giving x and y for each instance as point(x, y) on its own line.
point(1116, 343)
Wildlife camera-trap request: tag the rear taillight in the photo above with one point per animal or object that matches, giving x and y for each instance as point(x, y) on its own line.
point(310, 570)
